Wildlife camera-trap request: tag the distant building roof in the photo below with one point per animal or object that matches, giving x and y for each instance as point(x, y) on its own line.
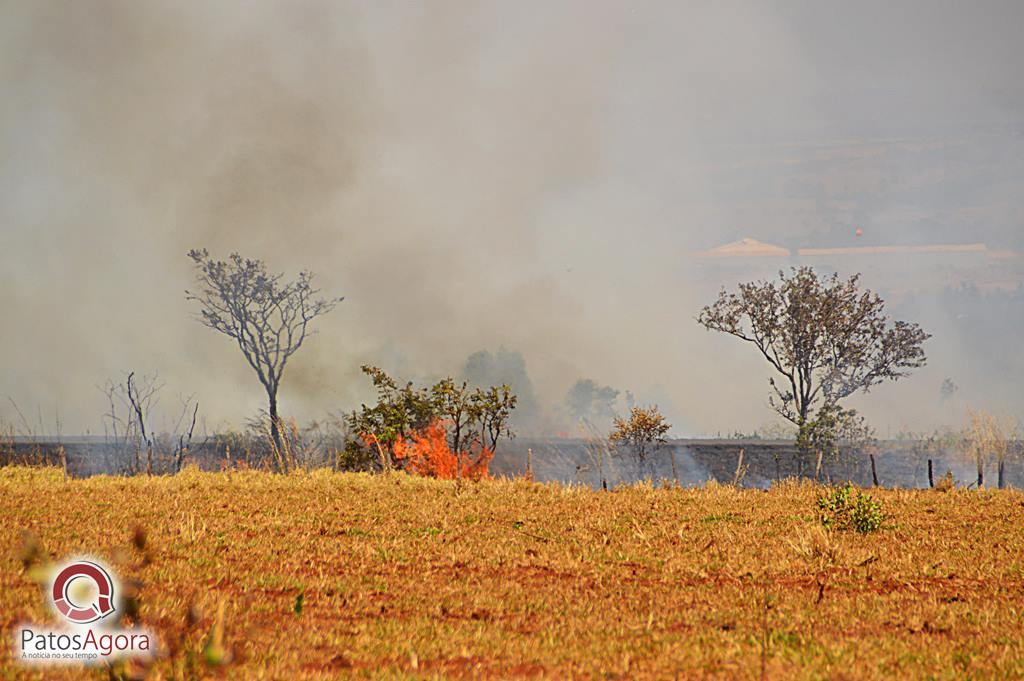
point(877, 250)
point(752, 248)
point(746, 248)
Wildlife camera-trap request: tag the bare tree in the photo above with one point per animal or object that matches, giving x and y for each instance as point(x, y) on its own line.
point(140, 400)
point(137, 397)
point(129, 425)
point(118, 430)
point(827, 338)
point(266, 316)
point(184, 443)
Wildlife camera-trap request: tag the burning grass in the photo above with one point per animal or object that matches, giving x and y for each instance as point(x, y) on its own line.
point(247, 574)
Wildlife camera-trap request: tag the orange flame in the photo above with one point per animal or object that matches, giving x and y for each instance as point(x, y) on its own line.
point(427, 453)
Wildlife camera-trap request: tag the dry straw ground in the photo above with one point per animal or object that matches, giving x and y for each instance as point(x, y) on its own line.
point(325, 575)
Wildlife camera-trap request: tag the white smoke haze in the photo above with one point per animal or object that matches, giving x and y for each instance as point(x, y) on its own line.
point(479, 175)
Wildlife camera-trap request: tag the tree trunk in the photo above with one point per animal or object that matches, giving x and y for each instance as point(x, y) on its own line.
point(275, 422)
point(457, 442)
point(817, 467)
point(931, 475)
point(1002, 474)
point(981, 473)
point(672, 453)
point(874, 471)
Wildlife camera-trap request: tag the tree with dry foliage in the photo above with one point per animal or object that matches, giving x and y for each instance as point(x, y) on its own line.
point(986, 439)
point(644, 431)
point(269, 318)
point(826, 337)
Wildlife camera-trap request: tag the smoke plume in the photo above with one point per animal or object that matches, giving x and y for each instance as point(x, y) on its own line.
point(475, 176)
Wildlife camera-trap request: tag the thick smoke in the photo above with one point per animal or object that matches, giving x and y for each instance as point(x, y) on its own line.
point(474, 176)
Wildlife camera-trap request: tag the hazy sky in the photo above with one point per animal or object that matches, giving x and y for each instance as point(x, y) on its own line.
point(472, 175)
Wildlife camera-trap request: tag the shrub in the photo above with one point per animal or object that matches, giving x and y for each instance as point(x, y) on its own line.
point(847, 509)
point(833, 507)
point(474, 419)
point(945, 483)
point(866, 514)
point(354, 456)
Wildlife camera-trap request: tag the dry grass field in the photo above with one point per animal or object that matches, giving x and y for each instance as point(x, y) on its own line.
point(250, 575)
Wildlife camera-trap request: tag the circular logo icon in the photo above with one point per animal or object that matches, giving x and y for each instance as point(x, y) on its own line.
point(102, 587)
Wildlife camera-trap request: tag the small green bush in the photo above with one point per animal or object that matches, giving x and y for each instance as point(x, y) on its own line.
point(847, 509)
point(866, 514)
